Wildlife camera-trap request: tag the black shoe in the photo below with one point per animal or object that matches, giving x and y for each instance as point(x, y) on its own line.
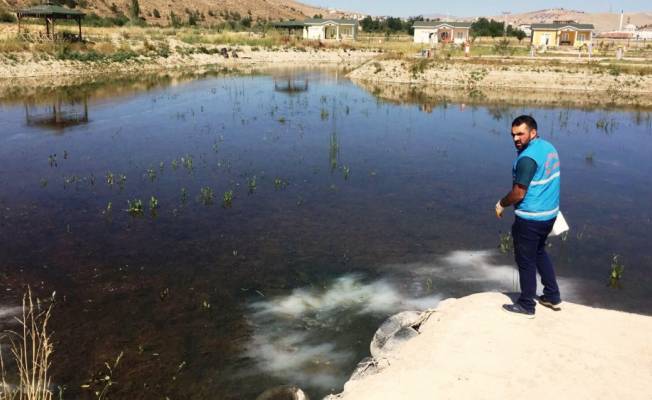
point(517, 309)
point(554, 305)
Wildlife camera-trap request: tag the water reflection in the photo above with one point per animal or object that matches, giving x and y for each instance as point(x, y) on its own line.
point(290, 85)
point(58, 115)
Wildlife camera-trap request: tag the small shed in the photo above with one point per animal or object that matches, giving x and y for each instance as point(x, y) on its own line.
point(433, 32)
point(50, 13)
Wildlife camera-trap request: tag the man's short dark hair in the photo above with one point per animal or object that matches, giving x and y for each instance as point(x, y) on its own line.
point(525, 119)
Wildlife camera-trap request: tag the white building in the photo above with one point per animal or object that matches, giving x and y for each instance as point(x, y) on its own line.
point(337, 29)
point(434, 32)
point(526, 28)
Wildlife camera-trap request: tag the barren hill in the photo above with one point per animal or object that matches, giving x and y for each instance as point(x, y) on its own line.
point(601, 21)
point(207, 11)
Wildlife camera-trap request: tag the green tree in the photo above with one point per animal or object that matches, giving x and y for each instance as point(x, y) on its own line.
point(175, 21)
point(484, 27)
point(369, 24)
point(134, 9)
point(520, 35)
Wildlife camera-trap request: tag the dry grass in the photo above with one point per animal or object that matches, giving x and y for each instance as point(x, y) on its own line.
point(32, 349)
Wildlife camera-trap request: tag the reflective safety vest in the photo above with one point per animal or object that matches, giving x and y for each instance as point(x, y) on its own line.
point(541, 201)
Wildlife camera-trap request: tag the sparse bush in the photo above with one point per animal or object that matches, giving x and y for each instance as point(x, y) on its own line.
point(420, 66)
point(503, 48)
point(7, 16)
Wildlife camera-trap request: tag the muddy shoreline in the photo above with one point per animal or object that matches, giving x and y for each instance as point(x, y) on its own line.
point(406, 80)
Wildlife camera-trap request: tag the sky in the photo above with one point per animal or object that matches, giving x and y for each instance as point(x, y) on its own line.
point(468, 8)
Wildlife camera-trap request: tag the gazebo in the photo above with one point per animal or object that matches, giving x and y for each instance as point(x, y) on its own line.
point(50, 12)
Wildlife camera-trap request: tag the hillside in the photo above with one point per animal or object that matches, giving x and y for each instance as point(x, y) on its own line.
point(601, 21)
point(207, 11)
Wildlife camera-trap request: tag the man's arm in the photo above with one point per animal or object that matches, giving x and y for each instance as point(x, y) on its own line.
point(525, 170)
point(514, 196)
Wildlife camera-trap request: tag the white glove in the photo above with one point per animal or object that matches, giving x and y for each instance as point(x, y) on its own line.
point(499, 210)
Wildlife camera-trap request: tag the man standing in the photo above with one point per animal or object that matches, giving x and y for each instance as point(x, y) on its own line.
point(535, 196)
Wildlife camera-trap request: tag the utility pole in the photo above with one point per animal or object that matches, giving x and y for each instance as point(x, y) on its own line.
point(505, 14)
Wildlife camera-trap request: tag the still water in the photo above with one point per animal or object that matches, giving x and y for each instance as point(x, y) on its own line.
point(292, 213)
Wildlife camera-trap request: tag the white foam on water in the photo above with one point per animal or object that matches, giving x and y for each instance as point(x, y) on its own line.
point(8, 314)
point(305, 337)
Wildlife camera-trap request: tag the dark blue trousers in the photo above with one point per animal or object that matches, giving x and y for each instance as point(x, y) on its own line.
point(530, 254)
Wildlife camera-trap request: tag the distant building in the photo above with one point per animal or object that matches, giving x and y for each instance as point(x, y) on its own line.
point(562, 33)
point(322, 29)
point(338, 29)
point(526, 28)
point(434, 32)
point(643, 34)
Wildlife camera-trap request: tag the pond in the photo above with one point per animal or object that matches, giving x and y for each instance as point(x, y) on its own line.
point(228, 234)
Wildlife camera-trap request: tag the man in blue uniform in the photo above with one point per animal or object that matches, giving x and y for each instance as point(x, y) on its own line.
point(535, 196)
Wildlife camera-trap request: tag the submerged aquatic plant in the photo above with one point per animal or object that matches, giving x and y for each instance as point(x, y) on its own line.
point(505, 246)
point(617, 269)
point(184, 195)
point(347, 171)
point(52, 160)
point(151, 174)
point(135, 207)
point(44, 182)
point(252, 184)
point(153, 205)
point(175, 164)
point(110, 178)
point(589, 158)
point(206, 195)
point(122, 179)
point(227, 200)
point(68, 180)
point(101, 383)
point(279, 183)
point(187, 162)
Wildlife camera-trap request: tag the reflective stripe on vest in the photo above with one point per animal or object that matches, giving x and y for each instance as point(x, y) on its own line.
point(541, 201)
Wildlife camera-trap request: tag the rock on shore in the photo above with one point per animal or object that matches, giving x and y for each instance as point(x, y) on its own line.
point(470, 349)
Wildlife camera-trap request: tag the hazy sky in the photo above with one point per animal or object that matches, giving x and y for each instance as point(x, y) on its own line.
point(466, 8)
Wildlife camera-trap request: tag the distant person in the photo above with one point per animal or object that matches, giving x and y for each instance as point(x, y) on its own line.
point(535, 196)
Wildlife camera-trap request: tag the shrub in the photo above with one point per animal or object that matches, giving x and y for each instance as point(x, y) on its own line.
point(7, 16)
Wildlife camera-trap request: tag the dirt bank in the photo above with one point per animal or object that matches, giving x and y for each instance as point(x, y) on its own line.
point(470, 349)
point(52, 70)
point(584, 84)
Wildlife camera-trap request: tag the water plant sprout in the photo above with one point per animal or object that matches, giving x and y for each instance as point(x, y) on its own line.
point(616, 273)
point(206, 195)
point(135, 207)
point(252, 184)
point(227, 200)
point(153, 204)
